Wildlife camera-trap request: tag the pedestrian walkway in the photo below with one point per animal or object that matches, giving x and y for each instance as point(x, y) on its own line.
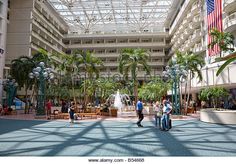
point(115, 137)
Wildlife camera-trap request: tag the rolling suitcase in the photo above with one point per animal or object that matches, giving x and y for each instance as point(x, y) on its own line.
point(170, 123)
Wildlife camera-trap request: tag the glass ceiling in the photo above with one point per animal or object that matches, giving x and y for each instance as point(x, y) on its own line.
point(113, 16)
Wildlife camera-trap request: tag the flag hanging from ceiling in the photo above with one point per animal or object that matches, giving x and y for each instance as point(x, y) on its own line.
point(214, 20)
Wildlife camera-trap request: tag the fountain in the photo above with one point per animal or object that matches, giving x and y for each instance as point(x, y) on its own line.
point(123, 103)
point(117, 102)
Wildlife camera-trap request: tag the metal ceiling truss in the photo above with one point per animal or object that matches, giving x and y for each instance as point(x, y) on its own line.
point(113, 16)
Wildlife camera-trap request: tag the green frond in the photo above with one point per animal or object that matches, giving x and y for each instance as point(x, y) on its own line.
point(222, 67)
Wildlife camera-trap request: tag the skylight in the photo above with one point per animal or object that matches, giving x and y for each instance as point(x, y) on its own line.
point(113, 16)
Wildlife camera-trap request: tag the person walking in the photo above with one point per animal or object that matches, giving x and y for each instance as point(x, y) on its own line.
point(48, 108)
point(167, 108)
point(139, 108)
point(158, 113)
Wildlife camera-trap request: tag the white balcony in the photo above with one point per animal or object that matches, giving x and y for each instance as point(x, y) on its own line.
point(197, 21)
point(230, 23)
point(197, 35)
point(173, 39)
point(191, 27)
point(118, 45)
point(185, 23)
point(159, 54)
point(190, 16)
point(181, 28)
point(229, 6)
point(186, 33)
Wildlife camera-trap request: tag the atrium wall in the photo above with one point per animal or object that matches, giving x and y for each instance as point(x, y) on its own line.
point(107, 47)
point(33, 25)
point(189, 32)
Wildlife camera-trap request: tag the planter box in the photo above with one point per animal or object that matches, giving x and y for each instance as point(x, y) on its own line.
point(216, 116)
point(105, 113)
point(113, 112)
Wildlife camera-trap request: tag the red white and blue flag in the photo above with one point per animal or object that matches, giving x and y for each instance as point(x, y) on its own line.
point(214, 20)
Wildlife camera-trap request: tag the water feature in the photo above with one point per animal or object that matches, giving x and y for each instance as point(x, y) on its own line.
point(123, 103)
point(117, 102)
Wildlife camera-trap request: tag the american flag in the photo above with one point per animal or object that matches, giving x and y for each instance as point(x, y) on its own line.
point(214, 20)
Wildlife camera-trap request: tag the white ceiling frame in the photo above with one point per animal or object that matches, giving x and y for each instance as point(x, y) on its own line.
point(87, 16)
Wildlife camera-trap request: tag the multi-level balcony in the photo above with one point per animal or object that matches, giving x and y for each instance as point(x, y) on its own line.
point(117, 45)
point(229, 6)
point(195, 7)
point(230, 22)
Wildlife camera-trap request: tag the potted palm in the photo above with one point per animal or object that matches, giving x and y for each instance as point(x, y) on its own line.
point(217, 114)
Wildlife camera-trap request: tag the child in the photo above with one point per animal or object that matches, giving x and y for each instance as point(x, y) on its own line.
point(71, 114)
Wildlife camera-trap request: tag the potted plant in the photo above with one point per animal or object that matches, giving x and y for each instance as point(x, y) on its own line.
point(216, 114)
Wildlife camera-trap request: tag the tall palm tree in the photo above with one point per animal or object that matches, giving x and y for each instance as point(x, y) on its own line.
point(70, 65)
point(129, 61)
point(91, 65)
point(224, 40)
point(193, 64)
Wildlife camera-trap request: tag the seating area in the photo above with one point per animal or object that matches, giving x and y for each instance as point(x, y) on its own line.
point(90, 113)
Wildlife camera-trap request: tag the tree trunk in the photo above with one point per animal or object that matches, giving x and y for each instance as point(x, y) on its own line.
point(187, 102)
point(85, 94)
point(185, 96)
point(73, 92)
point(180, 98)
point(135, 92)
point(26, 101)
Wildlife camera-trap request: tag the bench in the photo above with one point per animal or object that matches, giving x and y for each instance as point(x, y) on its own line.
point(91, 115)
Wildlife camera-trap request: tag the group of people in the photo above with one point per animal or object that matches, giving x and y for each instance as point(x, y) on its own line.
point(162, 114)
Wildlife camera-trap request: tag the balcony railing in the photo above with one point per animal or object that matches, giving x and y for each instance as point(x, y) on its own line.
point(229, 5)
point(195, 7)
point(230, 20)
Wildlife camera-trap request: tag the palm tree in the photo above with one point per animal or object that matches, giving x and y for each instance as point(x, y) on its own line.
point(193, 64)
point(106, 87)
point(91, 65)
point(228, 59)
point(224, 40)
point(154, 90)
point(20, 69)
point(70, 65)
point(129, 61)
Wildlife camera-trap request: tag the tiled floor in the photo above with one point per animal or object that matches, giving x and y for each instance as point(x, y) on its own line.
point(115, 137)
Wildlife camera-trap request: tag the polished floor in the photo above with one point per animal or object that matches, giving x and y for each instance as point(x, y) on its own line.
point(115, 137)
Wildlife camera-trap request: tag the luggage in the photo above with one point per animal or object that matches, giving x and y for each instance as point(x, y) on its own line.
point(170, 124)
point(163, 123)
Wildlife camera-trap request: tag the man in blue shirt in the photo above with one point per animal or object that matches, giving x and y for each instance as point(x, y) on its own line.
point(139, 108)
